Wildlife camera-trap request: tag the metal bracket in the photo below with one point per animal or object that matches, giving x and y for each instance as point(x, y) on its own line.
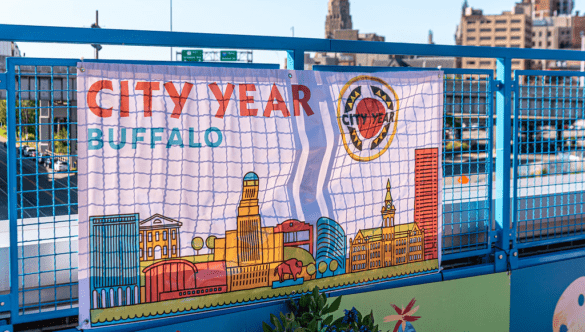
point(513, 258)
point(499, 85)
point(5, 303)
point(3, 78)
point(501, 259)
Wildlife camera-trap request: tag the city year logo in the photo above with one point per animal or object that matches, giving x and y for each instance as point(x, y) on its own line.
point(367, 114)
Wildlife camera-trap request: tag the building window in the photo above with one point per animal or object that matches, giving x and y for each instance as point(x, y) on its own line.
point(548, 44)
point(164, 250)
point(149, 252)
point(173, 233)
point(548, 34)
point(470, 38)
point(140, 237)
point(540, 34)
point(515, 45)
point(515, 21)
point(500, 37)
point(485, 38)
point(164, 235)
point(140, 253)
point(470, 22)
point(515, 29)
point(174, 250)
point(157, 236)
point(470, 30)
point(149, 237)
point(485, 30)
point(515, 37)
point(500, 21)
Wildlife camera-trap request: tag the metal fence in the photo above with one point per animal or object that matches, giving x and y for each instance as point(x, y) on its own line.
point(535, 154)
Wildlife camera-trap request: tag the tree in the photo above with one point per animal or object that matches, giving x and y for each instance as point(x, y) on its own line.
point(3, 112)
point(333, 266)
point(61, 142)
point(197, 244)
point(311, 269)
point(210, 243)
point(322, 267)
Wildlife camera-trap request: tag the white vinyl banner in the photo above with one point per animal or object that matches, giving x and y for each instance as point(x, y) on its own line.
point(203, 188)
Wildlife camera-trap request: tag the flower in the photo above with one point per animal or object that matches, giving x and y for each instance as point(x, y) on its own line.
point(351, 316)
point(404, 315)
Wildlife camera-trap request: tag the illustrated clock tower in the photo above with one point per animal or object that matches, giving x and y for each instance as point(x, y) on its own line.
point(388, 210)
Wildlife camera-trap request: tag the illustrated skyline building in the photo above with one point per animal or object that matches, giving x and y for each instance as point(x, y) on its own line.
point(249, 223)
point(159, 238)
point(114, 260)
point(389, 245)
point(338, 17)
point(331, 246)
point(426, 193)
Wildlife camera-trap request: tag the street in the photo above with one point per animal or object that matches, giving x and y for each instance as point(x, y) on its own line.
point(41, 193)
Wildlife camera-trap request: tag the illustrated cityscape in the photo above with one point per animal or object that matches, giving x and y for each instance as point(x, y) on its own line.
point(136, 261)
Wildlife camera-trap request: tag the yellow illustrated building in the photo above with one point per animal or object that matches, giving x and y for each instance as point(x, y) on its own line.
point(388, 245)
point(159, 238)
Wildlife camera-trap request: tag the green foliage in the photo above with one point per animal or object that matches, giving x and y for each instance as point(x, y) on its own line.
point(61, 141)
point(311, 313)
point(299, 253)
point(197, 244)
point(456, 146)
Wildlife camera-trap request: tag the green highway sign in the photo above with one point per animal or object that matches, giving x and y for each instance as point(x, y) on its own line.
point(229, 55)
point(192, 55)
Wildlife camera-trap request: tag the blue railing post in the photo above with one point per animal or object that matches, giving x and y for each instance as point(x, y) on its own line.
point(503, 136)
point(12, 182)
point(295, 60)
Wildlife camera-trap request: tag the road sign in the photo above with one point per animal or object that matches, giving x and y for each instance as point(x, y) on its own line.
point(229, 56)
point(192, 55)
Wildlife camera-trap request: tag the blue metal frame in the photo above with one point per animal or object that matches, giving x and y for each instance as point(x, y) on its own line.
point(502, 240)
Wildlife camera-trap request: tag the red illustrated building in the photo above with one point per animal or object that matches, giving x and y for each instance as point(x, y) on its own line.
point(177, 278)
point(426, 202)
point(296, 234)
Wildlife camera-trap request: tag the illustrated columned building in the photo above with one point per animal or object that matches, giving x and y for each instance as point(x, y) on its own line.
point(115, 270)
point(159, 238)
point(388, 245)
point(426, 193)
point(338, 17)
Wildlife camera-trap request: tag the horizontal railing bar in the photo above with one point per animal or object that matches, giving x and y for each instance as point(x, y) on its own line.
point(48, 34)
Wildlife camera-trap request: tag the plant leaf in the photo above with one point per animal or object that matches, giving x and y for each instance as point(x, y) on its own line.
point(266, 327)
point(335, 305)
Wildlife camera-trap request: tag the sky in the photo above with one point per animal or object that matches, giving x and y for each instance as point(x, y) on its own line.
point(397, 20)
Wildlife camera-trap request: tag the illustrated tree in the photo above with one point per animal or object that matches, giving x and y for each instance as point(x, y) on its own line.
point(333, 266)
point(197, 244)
point(322, 267)
point(311, 270)
point(210, 243)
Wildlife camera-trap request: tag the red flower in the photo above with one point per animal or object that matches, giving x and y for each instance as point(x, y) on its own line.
point(404, 315)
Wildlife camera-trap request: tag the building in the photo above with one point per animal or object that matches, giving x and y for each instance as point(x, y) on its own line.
point(178, 278)
point(251, 252)
point(549, 8)
point(296, 234)
point(426, 201)
point(159, 238)
point(338, 17)
point(114, 260)
point(388, 245)
point(509, 29)
point(331, 246)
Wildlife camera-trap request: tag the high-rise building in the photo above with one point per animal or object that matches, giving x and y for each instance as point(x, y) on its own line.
point(249, 223)
point(426, 201)
point(338, 17)
point(509, 29)
point(331, 248)
point(115, 270)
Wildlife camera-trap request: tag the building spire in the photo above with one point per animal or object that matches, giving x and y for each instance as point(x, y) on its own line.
point(388, 193)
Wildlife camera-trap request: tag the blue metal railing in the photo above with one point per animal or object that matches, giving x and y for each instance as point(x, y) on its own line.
point(536, 201)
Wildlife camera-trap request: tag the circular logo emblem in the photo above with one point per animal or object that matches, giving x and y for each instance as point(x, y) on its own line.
point(367, 114)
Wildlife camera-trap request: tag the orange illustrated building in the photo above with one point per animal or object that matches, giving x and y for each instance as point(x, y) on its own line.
point(388, 245)
point(426, 201)
point(159, 238)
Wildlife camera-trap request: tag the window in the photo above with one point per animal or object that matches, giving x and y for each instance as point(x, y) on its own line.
point(470, 22)
point(149, 252)
point(548, 34)
point(173, 232)
point(515, 21)
point(540, 34)
point(485, 38)
point(174, 249)
point(157, 236)
point(164, 250)
point(515, 45)
point(470, 38)
point(149, 237)
point(500, 45)
point(500, 21)
point(548, 44)
point(500, 37)
point(515, 37)
point(165, 235)
point(470, 30)
point(140, 253)
point(485, 30)
point(515, 29)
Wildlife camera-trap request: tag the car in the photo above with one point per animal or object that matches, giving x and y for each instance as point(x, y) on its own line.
point(60, 166)
point(42, 156)
point(24, 150)
point(31, 152)
point(47, 161)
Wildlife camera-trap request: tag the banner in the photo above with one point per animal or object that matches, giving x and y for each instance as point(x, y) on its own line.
point(204, 188)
